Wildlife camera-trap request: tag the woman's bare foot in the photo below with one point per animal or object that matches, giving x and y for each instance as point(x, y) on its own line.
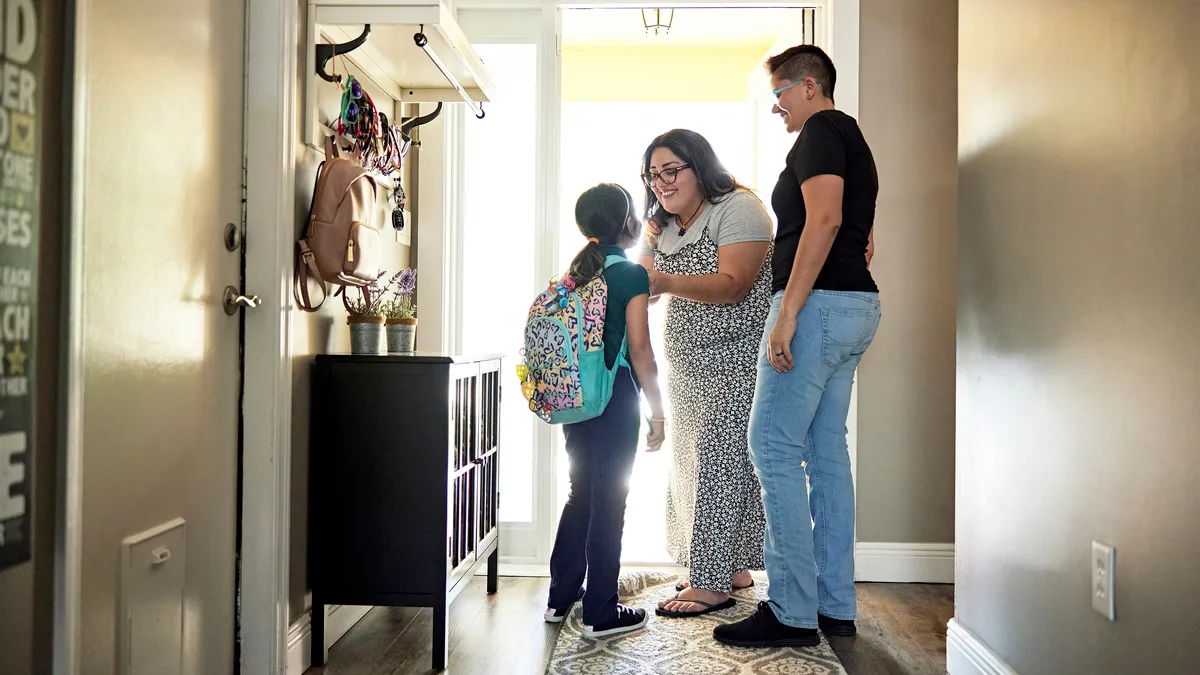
point(680, 602)
point(740, 580)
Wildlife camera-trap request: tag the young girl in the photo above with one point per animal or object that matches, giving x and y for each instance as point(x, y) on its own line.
point(602, 449)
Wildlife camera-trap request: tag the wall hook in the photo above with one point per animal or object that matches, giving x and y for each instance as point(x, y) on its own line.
point(418, 121)
point(327, 52)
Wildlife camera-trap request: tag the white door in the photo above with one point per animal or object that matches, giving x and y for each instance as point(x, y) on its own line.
point(161, 179)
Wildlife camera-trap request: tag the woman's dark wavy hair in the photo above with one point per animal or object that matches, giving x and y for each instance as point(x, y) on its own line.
point(694, 150)
point(601, 213)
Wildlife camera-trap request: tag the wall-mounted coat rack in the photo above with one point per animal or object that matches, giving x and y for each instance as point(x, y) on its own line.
point(414, 51)
point(423, 42)
point(418, 121)
point(325, 52)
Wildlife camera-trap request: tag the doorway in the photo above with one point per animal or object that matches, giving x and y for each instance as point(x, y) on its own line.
point(579, 115)
point(633, 74)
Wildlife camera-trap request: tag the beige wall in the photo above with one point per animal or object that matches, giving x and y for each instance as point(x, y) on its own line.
point(713, 73)
point(907, 109)
point(324, 331)
point(1079, 366)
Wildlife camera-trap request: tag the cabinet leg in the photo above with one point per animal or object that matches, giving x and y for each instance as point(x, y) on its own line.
point(493, 571)
point(441, 636)
point(319, 654)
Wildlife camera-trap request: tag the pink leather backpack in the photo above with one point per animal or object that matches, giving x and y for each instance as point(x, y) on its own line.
point(339, 243)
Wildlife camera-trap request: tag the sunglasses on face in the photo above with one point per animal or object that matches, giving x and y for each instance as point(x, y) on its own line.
point(666, 176)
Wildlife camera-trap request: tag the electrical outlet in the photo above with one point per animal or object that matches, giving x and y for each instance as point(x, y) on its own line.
point(1104, 561)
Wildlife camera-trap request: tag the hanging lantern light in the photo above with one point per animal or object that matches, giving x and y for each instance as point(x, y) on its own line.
point(652, 19)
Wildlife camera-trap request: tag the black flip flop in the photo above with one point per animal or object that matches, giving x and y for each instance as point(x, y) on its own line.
point(679, 587)
point(684, 615)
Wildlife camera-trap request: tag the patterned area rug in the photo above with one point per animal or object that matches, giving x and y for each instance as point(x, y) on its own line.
point(679, 646)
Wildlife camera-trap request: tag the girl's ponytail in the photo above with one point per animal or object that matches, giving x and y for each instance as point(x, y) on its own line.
point(588, 263)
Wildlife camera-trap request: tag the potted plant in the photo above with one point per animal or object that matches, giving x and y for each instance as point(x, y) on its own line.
point(400, 312)
point(366, 318)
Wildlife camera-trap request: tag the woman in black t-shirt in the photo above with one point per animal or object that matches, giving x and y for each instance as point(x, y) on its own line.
point(824, 313)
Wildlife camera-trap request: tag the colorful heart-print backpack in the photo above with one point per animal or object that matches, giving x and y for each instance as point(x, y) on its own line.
point(564, 376)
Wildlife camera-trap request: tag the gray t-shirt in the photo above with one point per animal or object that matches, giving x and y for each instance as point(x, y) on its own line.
point(739, 217)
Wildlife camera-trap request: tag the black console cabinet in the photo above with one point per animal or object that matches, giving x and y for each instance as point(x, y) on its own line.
point(402, 493)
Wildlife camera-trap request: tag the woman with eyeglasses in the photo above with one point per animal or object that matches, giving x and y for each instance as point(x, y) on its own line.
point(707, 248)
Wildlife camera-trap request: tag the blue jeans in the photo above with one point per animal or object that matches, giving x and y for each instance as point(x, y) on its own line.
point(602, 451)
point(798, 427)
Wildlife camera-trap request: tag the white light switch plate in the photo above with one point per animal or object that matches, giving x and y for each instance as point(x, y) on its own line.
point(1104, 562)
point(151, 600)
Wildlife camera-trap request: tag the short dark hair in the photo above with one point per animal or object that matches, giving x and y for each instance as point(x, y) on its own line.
point(803, 61)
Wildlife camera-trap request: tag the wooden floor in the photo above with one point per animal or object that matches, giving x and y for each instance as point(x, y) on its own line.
point(902, 631)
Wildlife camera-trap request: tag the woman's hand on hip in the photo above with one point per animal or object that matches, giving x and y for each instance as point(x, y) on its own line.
point(779, 343)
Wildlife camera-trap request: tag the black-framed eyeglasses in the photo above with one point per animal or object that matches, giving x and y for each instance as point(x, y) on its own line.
point(667, 176)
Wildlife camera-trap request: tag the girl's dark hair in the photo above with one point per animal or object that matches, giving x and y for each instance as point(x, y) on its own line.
point(694, 150)
point(602, 214)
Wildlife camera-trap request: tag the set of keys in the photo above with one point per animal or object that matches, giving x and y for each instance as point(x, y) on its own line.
point(398, 217)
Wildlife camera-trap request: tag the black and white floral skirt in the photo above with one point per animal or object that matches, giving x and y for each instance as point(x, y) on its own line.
point(715, 522)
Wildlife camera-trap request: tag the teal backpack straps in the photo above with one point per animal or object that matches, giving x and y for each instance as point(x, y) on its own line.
point(622, 359)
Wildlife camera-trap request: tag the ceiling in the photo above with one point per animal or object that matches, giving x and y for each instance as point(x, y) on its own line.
point(690, 27)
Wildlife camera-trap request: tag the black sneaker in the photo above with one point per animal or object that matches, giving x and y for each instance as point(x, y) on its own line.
point(559, 615)
point(836, 627)
point(762, 629)
point(628, 620)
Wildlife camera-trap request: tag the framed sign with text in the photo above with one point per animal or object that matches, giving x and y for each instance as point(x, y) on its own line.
point(20, 161)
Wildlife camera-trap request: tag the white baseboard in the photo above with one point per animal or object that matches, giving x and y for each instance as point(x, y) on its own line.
point(967, 655)
point(904, 563)
point(340, 619)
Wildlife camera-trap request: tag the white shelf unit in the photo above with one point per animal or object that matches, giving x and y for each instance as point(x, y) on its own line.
point(446, 69)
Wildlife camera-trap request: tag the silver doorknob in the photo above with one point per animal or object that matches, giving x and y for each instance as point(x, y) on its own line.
point(234, 301)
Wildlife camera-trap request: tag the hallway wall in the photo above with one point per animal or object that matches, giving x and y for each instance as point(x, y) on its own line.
point(714, 72)
point(1078, 311)
point(907, 109)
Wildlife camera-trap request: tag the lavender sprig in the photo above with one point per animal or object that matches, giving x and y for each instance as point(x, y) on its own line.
point(403, 285)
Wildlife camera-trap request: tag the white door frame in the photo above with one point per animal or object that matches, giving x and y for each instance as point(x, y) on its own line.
point(271, 115)
point(68, 544)
point(272, 49)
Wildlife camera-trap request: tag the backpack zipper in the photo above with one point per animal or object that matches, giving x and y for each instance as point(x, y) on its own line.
point(350, 251)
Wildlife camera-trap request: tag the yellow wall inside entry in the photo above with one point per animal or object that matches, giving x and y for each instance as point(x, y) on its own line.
point(613, 73)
